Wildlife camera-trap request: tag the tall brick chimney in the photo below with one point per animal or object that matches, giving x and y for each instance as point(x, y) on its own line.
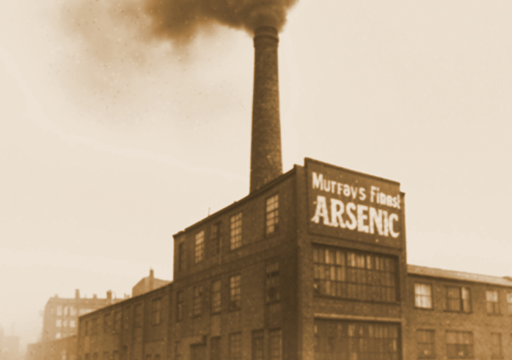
point(266, 162)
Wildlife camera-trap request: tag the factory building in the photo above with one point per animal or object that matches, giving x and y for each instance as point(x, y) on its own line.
point(311, 265)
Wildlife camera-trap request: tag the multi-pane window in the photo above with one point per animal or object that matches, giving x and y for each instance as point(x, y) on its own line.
point(458, 298)
point(235, 346)
point(356, 340)
point(106, 323)
point(179, 306)
point(126, 315)
point(156, 311)
point(95, 326)
point(117, 322)
point(497, 347)
point(215, 348)
point(216, 298)
point(234, 292)
point(509, 303)
point(199, 247)
point(272, 282)
point(353, 275)
point(236, 231)
point(459, 345)
point(275, 345)
point(138, 316)
point(215, 238)
point(426, 346)
point(272, 219)
point(181, 256)
point(257, 345)
point(423, 296)
point(198, 301)
point(492, 300)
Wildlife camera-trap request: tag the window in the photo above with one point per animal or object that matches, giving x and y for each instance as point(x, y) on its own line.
point(215, 348)
point(58, 335)
point(272, 283)
point(425, 340)
point(216, 299)
point(177, 352)
point(138, 316)
point(106, 323)
point(198, 300)
point(179, 306)
point(181, 256)
point(59, 310)
point(215, 238)
point(236, 231)
point(423, 296)
point(497, 348)
point(458, 299)
point(509, 303)
point(272, 219)
point(72, 311)
point(126, 315)
point(459, 345)
point(58, 323)
point(199, 249)
point(72, 323)
point(95, 326)
point(66, 311)
point(156, 311)
point(86, 328)
point(493, 304)
point(234, 292)
point(351, 275)
point(257, 345)
point(235, 346)
point(117, 322)
point(356, 340)
point(275, 346)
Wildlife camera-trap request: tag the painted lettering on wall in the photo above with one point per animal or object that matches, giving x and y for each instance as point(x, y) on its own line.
point(358, 206)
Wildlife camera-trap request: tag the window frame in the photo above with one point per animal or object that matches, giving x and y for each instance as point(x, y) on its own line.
point(423, 296)
point(457, 346)
point(461, 299)
point(231, 342)
point(498, 346)
point(156, 311)
point(492, 307)
point(199, 248)
point(272, 215)
point(197, 301)
point(216, 304)
point(272, 282)
point(338, 274)
point(235, 231)
point(179, 305)
point(215, 237)
point(235, 292)
point(424, 345)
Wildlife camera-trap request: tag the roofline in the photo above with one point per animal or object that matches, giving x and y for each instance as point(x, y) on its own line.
point(459, 276)
point(123, 301)
point(250, 196)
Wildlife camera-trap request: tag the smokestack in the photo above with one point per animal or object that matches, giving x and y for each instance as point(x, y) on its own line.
point(266, 162)
point(77, 294)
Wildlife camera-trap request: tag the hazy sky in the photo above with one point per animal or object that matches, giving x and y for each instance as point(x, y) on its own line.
point(107, 151)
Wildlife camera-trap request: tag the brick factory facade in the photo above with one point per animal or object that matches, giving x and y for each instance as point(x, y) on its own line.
point(312, 265)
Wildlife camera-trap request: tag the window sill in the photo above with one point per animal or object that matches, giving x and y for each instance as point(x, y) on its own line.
point(429, 309)
point(458, 312)
point(396, 302)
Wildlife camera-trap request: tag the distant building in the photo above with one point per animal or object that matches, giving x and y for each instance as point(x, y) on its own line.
point(61, 314)
point(9, 347)
point(147, 284)
point(59, 349)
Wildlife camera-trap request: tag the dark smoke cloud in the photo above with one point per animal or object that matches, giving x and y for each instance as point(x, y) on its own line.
point(180, 19)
